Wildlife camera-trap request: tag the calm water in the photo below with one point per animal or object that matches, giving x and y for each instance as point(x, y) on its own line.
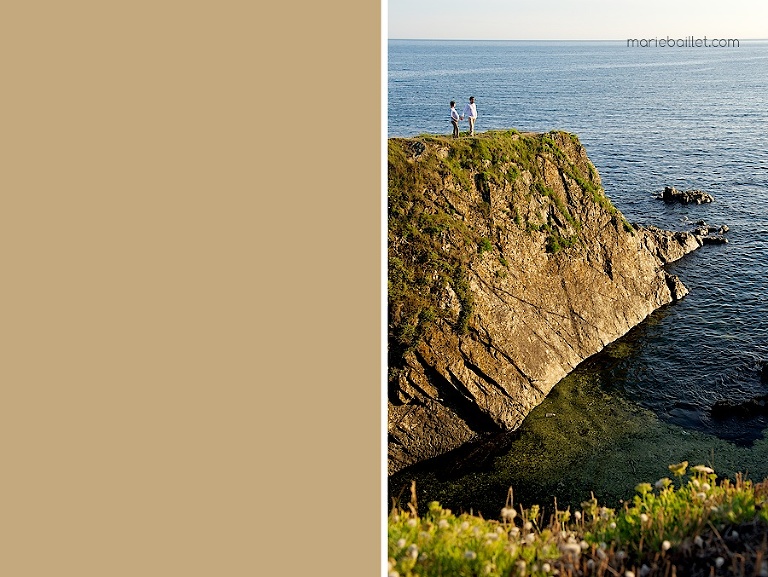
point(648, 117)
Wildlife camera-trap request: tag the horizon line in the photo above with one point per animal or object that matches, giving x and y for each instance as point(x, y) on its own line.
point(545, 39)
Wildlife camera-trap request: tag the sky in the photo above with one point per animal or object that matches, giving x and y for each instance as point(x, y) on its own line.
point(576, 20)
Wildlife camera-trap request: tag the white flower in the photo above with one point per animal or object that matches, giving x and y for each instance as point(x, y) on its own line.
point(530, 538)
point(443, 524)
point(491, 536)
point(577, 515)
point(699, 541)
point(696, 483)
point(584, 545)
point(643, 518)
point(411, 522)
point(612, 525)
point(701, 495)
point(702, 469)
point(528, 526)
point(644, 571)
point(719, 562)
point(706, 487)
point(413, 551)
point(629, 574)
point(546, 568)
point(514, 531)
point(470, 555)
point(666, 545)
point(464, 526)
point(508, 513)
point(735, 534)
point(401, 543)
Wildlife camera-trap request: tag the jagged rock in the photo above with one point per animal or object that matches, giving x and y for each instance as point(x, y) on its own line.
point(671, 194)
point(508, 267)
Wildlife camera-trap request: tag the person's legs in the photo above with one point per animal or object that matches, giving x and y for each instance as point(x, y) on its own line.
point(455, 128)
point(471, 126)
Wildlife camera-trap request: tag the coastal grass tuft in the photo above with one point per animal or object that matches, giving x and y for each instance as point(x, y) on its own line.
point(691, 524)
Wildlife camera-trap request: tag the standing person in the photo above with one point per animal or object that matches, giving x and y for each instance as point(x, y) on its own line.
point(455, 119)
point(470, 111)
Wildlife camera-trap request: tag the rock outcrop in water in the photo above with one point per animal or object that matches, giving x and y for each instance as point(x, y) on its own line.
point(671, 194)
point(508, 266)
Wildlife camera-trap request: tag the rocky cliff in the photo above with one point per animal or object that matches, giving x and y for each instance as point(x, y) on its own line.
point(507, 267)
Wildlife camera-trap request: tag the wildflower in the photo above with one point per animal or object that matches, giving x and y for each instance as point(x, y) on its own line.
point(464, 526)
point(577, 515)
point(401, 543)
point(492, 536)
point(719, 562)
point(706, 486)
point(590, 564)
point(546, 568)
point(643, 488)
point(572, 548)
point(629, 574)
point(443, 524)
point(508, 513)
point(620, 555)
point(413, 551)
point(528, 526)
point(735, 534)
point(699, 541)
point(702, 469)
point(604, 512)
point(702, 495)
point(514, 531)
point(612, 525)
point(662, 483)
point(489, 568)
point(470, 555)
point(679, 469)
point(530, 538)
point(714, 509)
point(665, 545)
point(643, 518)
point(521, 566)
point(411, 522)
point(584, 545)
point(696, 483)
point(644, 570)
point(601, 554)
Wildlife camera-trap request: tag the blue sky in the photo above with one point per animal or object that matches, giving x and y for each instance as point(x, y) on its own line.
point(576, 20)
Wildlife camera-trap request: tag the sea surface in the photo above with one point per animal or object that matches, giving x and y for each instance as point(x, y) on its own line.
point(692, 118)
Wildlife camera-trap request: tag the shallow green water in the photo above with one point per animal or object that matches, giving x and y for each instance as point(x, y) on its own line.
point(583, 438)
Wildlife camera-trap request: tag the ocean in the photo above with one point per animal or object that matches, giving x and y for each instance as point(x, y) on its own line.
point(692, 118)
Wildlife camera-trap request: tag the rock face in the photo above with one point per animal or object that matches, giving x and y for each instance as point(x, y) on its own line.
point(508, 266)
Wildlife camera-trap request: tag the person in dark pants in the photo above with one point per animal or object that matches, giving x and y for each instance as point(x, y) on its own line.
point(455, 119)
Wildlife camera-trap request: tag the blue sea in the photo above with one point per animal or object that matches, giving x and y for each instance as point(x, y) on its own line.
point(692, 118)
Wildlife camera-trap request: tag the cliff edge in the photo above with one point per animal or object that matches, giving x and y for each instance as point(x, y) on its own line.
point(507, 267)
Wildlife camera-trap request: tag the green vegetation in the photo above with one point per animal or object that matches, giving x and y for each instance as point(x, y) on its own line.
point(693, 524)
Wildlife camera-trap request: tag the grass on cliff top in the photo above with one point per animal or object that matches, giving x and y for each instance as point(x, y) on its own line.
point(689, 525)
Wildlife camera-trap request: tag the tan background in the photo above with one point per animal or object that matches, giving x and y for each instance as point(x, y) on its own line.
point(190, 241)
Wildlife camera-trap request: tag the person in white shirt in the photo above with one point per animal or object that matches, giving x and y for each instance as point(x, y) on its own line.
point(455, 119)
point(470, 111)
